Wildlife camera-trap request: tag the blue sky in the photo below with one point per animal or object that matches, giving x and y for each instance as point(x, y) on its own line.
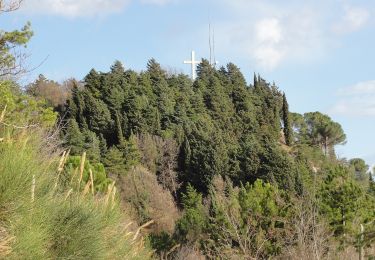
point(321, 52)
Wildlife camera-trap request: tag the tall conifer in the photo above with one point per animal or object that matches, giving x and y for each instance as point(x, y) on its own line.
point(286, 121)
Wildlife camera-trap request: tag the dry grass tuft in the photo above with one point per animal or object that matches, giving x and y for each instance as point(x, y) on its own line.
point(5, 243)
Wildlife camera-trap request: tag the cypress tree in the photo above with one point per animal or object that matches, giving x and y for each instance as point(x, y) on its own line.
point(103, 146)
point(120, 135)
point(371, 188)
point(185, 155)
point(286, 121)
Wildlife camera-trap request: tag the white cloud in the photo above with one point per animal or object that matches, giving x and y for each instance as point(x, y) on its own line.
point(268, 34)
point(275, 37)
point(82, 8)
point(75, 8)
point(268, 31)
point(274, 33)
point(354, 19)
point(361, 88)
point(156, 2)
point(357, 100)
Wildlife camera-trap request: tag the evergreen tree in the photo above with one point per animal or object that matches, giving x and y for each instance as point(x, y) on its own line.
point(114, 161)
point(93, 83)
point(340, 200)
point(117, 68)
point(92, 146)
point(193, 222)
point(97, 115)
point(286, 121)
point(74, 139)
point(10, 63)
point(371, 184)
point(324, 132)
point(157, 74)
point(130, 152)
point(103, 146)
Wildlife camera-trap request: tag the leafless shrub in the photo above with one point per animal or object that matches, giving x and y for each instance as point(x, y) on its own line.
point(167, 164)
point(149, 151)
point(141, 192)
point(188, 253)
point(54, 93)
point(160, 156)
point(310, 238)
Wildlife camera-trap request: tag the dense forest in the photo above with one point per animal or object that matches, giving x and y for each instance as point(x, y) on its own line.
point(125, 164)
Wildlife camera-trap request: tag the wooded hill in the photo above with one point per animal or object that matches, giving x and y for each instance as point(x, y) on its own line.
point(221, 166)
point(137, 165)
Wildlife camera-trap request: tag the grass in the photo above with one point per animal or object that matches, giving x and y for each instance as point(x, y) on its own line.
point(68, 223)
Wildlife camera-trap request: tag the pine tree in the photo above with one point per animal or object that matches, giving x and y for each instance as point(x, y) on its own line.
point(117, 68)
point(340, 199)
point(93, 83)
point(10, 60)
point(324, 132)
point(191, 225)
point(92, 146)
point(114, 161)
point(74, 139)
point(157, 74)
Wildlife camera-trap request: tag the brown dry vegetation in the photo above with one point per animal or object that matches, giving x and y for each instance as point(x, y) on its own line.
point(148, 200)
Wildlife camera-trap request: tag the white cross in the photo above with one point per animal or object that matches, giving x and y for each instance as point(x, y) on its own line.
point(193, 62)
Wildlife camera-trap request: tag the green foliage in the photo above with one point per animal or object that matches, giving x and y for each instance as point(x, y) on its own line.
point(286, 122)
point(258, 200)
point(360, 169)
point(371, 184)
point(220, 127)
point(22, 110)
point(194, 220)
point(10, 62)
point(324, 132)
point(47, 223)
point(121, 158)
point(208, 118)
point(246, 222)
point(341, 199)
point(100, 179)
point(161, 242)
point(74, 139)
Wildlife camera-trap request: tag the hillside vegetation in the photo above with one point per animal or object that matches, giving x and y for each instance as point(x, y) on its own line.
point(41, 215)
point(139, 165)
point(234, 172)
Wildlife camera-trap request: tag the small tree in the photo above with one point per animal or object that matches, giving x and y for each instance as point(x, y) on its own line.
point(340, 199)
point(246, 222)
point(74, 139)
point(193, 222)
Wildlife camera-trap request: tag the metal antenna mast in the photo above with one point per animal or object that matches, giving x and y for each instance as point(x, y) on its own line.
point(211, 43)
point(209, 40)
point(213, 47)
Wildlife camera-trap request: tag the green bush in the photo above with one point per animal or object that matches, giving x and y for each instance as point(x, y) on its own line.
point(54, 223)
point(101, 181)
